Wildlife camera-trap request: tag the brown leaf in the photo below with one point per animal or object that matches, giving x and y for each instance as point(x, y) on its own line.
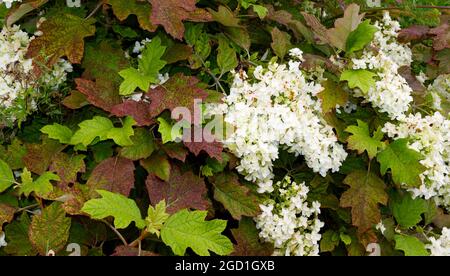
point(40, 156)
point(67, 167)
point(248, 243)
point(124, 8)
point(235, 197)
point(414, 83)
point(99, 93)
point(178, 91)
point(115, 174)
point(183, 190)
point(63, 35)
point(319, 30)
point(366, 191)
point(208, 144)
point(139, 110)
point(415, 32)
point(344, 26)
point(442, 36)
point(6, 214)
point(171, 14)
point(75, 100)
point(175, 151)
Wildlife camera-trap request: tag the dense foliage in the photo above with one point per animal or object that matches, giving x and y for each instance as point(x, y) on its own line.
point(228, 127)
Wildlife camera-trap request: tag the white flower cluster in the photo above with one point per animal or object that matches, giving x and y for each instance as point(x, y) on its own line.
point(440, 246)
point(430, 136)
point(2, 240)
point(278, 109)
point(289, 222)
point(391, 93)
point(16, 78)
point(8, 3)
point(440, 91)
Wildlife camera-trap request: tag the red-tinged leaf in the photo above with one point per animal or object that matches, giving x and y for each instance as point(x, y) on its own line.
point(40, 156)
point(50, 229)
point(248, 243)
point(414, 32)
point(177, 52)
point(127, 251)
point(124, 8)
point(319, 30)
point(104, 61)
point(175, 151)
point(442, 36)
point(183, 190)
point(75, 100)
point(171, 14)
point(63, 35)
point(285, 18)
point(75, 198)
point(366, 191)
point(67, 167)
point(236, 198)
point(178, 91)
point(213, 149)
point(414, 83)
point(115, 174)
point(139, 110)
point(99, 94)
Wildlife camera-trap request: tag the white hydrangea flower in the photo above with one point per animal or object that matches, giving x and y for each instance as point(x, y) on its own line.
point(17, 81)
point(139, 46)
point(440, 246)
point(289, 222)
point(440, 91)
point(278, 109)
point(380, 227)
point(2, 240)
point(429, 135)
point(391, 93)
point(8, 3)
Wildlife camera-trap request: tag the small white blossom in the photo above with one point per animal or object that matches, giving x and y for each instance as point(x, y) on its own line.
point(2, 240)
point(440, 246)
point(380, 227)
point(391, 93)
point(8, 3)
point(289, 222)
point(279, 109)
point(430, 136)
point(17, 82)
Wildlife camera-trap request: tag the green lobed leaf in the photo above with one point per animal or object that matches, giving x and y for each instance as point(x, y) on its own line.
point(360, 37)
point(6, 176)
point(156, 217)
point(361, 140)
point(360, 78)
point(189, 229)
point(58, 132)
point(404, 163)
point(407, 211)
point(147, 72)
point(412, 246)
point(122, 209)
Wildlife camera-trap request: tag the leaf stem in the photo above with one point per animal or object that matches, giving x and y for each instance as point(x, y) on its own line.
point(94, 11)
point(116, 232)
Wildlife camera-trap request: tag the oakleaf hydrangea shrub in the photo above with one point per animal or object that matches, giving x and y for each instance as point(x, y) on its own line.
point(285, 128)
